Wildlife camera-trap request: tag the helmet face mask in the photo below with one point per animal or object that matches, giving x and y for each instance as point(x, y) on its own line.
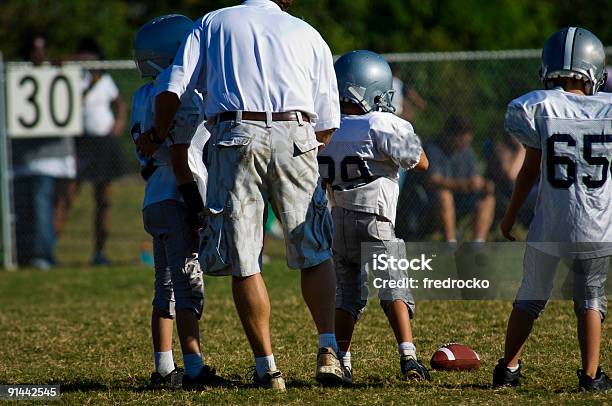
point(573, 53)
point(365, 79)
point(157, 41)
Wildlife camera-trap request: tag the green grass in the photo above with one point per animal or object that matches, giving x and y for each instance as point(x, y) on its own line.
point(87, 330)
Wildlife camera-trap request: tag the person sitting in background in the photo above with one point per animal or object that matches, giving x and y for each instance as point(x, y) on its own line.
point(40, 168)
point(504, 158)
point(99, 153)
point(449, 191)
point(406, 99)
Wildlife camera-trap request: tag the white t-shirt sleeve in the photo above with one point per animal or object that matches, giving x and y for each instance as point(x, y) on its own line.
point(520, 123)
point(396, 139)
point(188, 63)
point(111, 88)
point(325, 92)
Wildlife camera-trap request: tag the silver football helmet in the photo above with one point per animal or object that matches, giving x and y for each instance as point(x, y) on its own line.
point(365, 78)
point(157, 41)
point(576, 53)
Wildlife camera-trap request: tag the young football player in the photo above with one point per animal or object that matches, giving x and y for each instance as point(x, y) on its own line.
point(360, 166)
point(567, 129)
point(172, 204)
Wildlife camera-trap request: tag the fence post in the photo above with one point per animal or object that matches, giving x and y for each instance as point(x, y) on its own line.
point(5, 179)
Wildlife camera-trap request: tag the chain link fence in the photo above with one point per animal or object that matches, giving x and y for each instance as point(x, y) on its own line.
point(444, 95)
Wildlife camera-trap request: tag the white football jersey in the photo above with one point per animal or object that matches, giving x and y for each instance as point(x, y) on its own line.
point(188, 128)
point(573, 214)
point(361, 163)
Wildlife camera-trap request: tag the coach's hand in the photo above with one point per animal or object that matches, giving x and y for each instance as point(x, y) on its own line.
point(148, 143)
point(506, 226)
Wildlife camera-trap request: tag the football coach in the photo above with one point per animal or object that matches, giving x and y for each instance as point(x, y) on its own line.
point(271, 100)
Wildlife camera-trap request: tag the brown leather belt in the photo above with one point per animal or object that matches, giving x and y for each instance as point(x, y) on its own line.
point(261, 116)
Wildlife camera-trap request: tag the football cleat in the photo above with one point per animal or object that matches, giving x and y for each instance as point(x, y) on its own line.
point(173, 380)
point(413, 369)
point(207, 377)
point(270, 380)
point(601, 382)
point(329, 370)
point(348, 375)
point(502, 376)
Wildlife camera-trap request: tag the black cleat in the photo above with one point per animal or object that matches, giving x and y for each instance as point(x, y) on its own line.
point(502, 376)
point(413, 369)
point(207, 377)
point(173, 380)
point(601, 382)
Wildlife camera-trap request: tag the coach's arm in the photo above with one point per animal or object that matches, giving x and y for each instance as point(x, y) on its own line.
point(166, 106)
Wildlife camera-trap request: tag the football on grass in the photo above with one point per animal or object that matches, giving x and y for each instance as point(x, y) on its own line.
point(455, 357)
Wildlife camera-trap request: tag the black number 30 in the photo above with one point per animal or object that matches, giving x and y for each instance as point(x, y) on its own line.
point(51, 98)
point(558, 160)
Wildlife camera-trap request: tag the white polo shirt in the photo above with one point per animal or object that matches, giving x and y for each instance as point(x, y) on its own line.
point(256, 57)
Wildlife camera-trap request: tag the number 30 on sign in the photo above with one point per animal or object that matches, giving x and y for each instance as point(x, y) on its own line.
point(44, 101)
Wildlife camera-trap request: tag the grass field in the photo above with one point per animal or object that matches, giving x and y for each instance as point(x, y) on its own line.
point(87, 330)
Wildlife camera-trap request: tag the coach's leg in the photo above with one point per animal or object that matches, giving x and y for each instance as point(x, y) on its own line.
point(319, 292)
point(253, 307)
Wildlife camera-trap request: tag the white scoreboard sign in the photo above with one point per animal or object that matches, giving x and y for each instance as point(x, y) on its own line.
point(43, 101)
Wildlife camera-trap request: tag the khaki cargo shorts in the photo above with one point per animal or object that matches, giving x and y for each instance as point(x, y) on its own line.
point(250, 165)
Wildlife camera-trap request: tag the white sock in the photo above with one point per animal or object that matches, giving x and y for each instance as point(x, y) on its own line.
point(265, 364)
point(407, 348)
point(328, 340)
point(480, 240)
point(193, 364)
point(345, 359)
point(514, 368)
point(164, 363)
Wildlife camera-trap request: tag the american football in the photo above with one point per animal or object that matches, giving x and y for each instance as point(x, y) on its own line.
point(455, 357)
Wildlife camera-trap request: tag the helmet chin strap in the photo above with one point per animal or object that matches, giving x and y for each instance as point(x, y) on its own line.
point(155, 66)
point(362, 102)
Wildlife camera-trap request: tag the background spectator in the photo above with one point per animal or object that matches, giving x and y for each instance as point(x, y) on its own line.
point(406, 99)
point(504, 157)
point(99, 154)
point(450, 190)
point(41, 166)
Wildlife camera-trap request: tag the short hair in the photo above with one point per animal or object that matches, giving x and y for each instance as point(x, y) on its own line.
point(457, 125)
point(283, 4)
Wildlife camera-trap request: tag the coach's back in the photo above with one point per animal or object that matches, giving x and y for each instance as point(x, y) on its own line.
point(257, 58)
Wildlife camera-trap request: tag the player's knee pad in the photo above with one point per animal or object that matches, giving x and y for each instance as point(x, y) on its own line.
point(188, 284)
point(409, 303)
point(533, 307)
